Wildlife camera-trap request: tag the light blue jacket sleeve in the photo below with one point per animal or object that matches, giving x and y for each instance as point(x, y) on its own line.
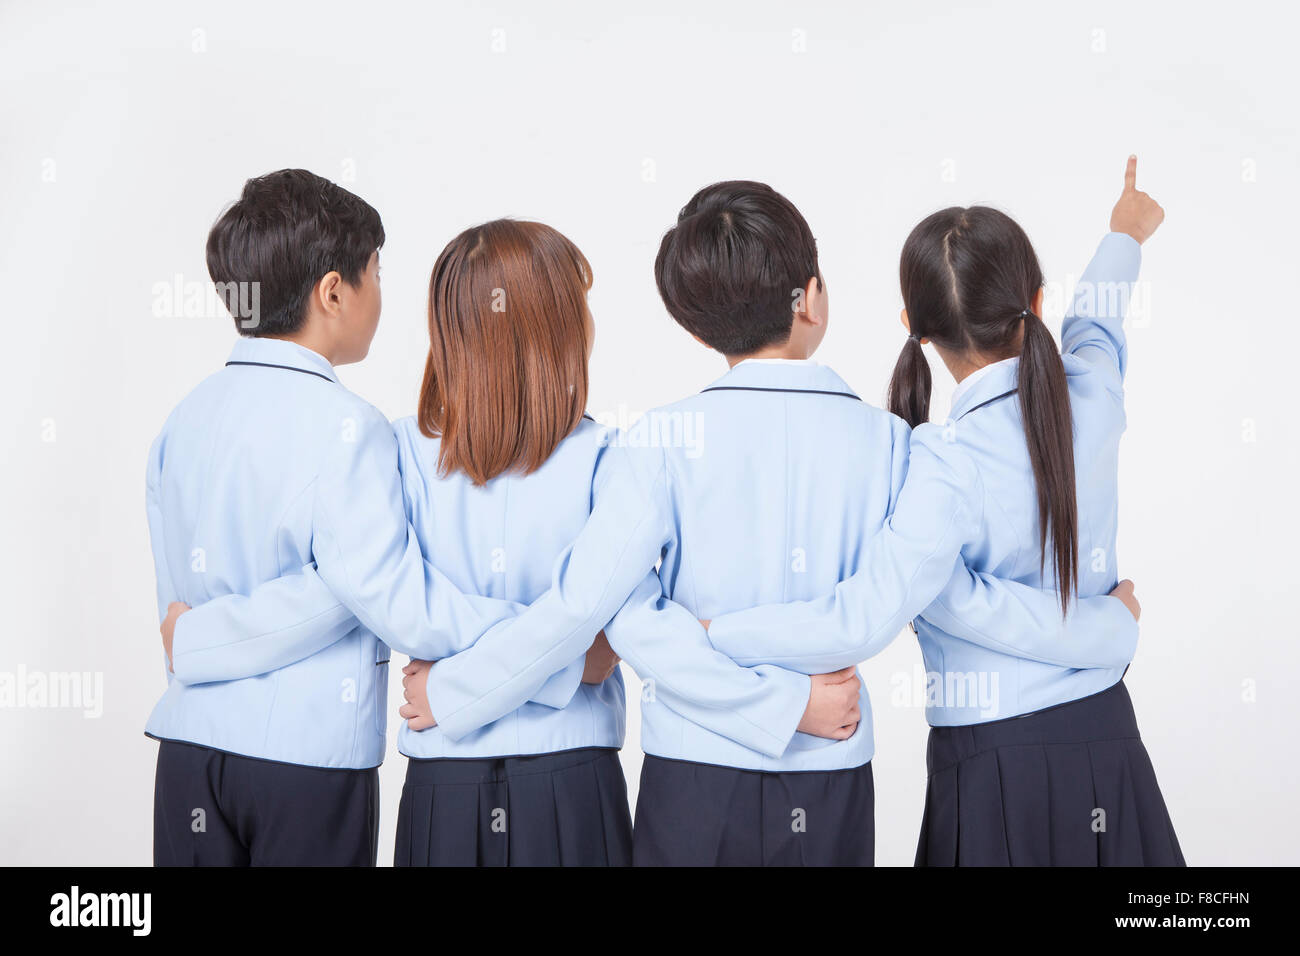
point(562, 685)
point(300, 622)
point(907, 565)
point(593, 577)
point(285, 621)
point(1013, 618)
point(166, 590)
point(369, 555)
point(368, 566)
point(362, 534)
point(233, 636)
point(759, 707)
point(1093, 329)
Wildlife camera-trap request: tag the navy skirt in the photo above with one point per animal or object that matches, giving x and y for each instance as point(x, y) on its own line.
point(697, 814)
point(1071, 785)
point(558, 809)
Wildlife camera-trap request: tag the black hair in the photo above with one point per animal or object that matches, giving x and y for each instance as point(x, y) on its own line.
point(735, 265)
point(969, 279)
point(287, 230)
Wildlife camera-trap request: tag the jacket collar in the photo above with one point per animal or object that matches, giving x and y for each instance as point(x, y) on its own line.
point(278, 353)
point(782, 377)
point(984, 386)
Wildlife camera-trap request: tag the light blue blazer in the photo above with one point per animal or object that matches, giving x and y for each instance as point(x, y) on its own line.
point(501, 540)
point(268, 466)
point(970, 495)
point(228, 495)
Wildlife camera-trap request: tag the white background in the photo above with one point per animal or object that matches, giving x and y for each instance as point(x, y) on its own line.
point(127, 128)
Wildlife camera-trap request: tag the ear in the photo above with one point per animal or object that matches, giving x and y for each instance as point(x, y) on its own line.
point(907, 324)
point(327, 292)
point(813, 289)
point(1036, 306)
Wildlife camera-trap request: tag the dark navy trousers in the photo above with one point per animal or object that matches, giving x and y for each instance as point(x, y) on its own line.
point(213, 808)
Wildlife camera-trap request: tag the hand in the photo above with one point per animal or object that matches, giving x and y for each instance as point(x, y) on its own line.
point(832, 710)
point(1136, 213)
point(601, 661)
point(415, 688)
point(1124, 591)
point(168, 628)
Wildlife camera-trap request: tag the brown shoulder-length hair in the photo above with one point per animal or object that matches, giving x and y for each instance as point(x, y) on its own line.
point(506, 377)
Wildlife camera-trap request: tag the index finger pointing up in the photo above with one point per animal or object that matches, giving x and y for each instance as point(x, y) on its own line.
point(1131, 174)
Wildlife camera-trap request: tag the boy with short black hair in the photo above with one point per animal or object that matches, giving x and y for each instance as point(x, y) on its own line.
point(269, 743)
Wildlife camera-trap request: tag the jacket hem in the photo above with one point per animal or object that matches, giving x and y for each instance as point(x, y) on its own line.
point(236, 753)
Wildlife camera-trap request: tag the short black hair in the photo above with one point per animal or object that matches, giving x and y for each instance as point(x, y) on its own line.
point(287, 230)
point(729, 270)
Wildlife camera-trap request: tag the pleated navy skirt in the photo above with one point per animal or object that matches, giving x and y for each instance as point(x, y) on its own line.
point(560, 809)
point(1071, 785)
point(697, 814)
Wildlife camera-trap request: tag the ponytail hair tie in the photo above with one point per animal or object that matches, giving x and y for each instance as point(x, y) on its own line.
point(1025, 314)
point(914, 335)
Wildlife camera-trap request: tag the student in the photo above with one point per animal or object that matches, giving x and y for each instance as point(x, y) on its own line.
point(1051, 770)
point(253, 771)
point(790, 477)
point(700, 706)
point(497, 467)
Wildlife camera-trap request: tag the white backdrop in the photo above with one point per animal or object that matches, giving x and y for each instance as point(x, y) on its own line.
point(127, 128)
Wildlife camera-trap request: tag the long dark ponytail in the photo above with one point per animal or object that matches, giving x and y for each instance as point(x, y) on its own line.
point(969, 279)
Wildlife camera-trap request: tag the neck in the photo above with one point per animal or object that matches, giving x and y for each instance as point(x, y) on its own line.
point(961, 369)
point(309, 338)
point(789, 350)
point(961, 366)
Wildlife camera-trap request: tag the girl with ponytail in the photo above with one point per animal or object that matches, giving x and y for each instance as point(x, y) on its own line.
point(973, 287)
point(1034, 754)
point(1063, 777)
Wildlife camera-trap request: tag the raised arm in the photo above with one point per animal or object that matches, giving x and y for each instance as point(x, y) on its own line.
point(1094, 326)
